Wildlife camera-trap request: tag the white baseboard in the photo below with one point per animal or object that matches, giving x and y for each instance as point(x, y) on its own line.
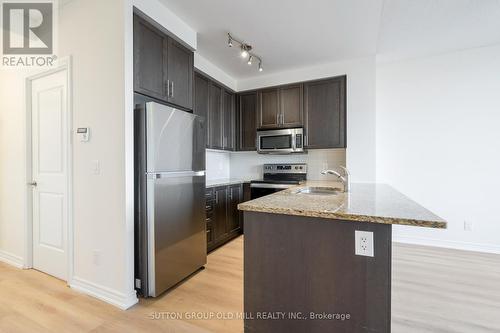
point(487, 248)
point(105, 294)
point(11, 259)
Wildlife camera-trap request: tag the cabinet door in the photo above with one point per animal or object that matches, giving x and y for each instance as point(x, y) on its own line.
point(149, 69)
point(325, 113)
point(220, 213)
point(180, 74)
point(201, 100)
point(291, 104)
point(215, 116)
point(248, 121)
point(229, 121)
point(233, 214)
point(269, 110)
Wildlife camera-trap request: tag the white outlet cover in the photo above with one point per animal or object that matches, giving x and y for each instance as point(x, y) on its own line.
point(363, 241)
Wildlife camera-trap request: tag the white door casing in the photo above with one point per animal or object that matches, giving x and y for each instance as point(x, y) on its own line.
point(49, 147)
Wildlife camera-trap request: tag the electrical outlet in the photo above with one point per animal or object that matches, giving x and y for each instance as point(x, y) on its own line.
point(96, 167)
point(364, 243)
point(96, 257)
point(468, 226)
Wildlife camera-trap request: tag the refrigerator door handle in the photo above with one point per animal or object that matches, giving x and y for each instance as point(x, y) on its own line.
point(175, 174)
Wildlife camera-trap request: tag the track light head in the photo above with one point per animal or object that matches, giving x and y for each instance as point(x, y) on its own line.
point(260, 66)
point(250, 58)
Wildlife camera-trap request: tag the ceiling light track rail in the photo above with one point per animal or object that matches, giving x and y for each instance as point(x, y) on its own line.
point(245, 50)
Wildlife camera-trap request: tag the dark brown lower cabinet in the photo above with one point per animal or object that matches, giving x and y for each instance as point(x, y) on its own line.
point(224, 221)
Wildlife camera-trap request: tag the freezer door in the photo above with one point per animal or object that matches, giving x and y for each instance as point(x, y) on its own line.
point(176, 228)
point(175, 139)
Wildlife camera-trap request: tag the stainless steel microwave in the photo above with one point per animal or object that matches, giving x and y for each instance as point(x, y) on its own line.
point(280, 141)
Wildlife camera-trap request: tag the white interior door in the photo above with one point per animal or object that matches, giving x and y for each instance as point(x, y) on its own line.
point(50, 173)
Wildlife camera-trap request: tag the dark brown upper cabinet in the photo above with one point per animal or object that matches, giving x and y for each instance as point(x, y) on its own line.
point(228, 130)
point(179, 74)
point(269, 108)
point(325, 113)
point(149, 70)
point(291, 105)
point(201, 98)
point(163, 68)
point(247, 120)
point(281, 107)
point(218, 105)
point(215, 117)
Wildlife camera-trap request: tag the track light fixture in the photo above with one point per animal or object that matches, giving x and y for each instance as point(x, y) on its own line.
point(245, 50)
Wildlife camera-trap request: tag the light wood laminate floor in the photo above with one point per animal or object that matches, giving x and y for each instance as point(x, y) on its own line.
point(434, 290)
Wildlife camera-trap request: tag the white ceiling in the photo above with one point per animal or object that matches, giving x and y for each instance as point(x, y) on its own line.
point(290, 34)
point(411, 28)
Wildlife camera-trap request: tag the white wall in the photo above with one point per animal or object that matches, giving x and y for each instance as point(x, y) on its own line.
point(360, 106)
point(438, 141)
point(12, 167)
point(94, 39)
point(248, 165)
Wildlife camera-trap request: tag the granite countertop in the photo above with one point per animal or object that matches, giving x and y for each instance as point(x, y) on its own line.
point(223, 182)
point(366, 202)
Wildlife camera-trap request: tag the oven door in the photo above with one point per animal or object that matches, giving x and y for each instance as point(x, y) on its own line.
point(283, 141)
point(258, 190)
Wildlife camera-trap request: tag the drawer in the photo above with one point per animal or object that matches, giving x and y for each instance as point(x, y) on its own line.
point(209, 206)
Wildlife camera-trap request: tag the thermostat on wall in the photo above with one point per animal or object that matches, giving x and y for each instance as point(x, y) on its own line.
point(83, 133)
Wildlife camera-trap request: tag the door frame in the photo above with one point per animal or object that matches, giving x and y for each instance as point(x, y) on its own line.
point(64, 63)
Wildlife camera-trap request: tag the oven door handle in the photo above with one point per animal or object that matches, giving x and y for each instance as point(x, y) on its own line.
point(276, 186)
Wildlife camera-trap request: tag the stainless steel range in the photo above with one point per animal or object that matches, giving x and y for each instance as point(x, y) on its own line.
point(278, 177)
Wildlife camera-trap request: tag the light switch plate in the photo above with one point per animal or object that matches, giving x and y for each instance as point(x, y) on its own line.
point(364, 243)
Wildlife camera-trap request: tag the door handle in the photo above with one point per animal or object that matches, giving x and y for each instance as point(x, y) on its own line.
point(33, 183)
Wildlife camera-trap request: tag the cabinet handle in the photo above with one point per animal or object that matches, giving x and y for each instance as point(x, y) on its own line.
point(216, 197)
point(168, 88)
point(172, 90)
point(277, 119)
point(282, 119)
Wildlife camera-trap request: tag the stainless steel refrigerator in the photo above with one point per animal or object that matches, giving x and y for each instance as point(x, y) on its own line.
point(170, 231)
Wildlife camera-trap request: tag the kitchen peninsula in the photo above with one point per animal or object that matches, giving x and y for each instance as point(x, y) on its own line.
point(323, 257)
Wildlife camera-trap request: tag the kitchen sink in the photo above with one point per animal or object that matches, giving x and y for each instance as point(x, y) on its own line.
point(319, 190)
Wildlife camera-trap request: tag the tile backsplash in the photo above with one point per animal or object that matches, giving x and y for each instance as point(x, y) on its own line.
point(248, 165)
point(217, 164)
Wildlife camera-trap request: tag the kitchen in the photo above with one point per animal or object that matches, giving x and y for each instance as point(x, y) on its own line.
point(261, 179)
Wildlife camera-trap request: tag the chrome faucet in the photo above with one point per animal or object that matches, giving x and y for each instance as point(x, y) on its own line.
point(344, 179)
